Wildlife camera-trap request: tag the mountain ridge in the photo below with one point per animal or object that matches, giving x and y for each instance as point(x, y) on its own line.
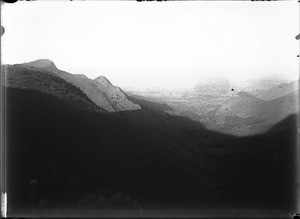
point(42, 63)
point(278, 91)
point(45, 81)
point(100, 90)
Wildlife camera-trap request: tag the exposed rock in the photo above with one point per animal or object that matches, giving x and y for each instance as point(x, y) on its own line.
point(103, 81)
point(117, 97)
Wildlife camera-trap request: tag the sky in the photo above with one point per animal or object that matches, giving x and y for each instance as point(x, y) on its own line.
point(156, 44)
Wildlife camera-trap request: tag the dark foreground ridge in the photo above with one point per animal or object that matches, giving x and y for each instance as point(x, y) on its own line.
point(64, 158)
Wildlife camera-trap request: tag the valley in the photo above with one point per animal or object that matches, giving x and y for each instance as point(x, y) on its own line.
point(75, 142)
point(238, 113)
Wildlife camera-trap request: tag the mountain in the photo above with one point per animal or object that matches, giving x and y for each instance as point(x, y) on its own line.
point(100, 90)
point(41, 79)
point(245, 114)
point(278, 91)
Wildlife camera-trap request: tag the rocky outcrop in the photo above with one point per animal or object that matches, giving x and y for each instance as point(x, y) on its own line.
point(117, 97)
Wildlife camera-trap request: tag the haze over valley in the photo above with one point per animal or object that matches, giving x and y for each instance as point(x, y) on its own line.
point(220, 105)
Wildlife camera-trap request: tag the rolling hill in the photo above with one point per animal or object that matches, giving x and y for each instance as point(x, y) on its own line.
point(278, 91)
point(246, 114)
point(238, 105)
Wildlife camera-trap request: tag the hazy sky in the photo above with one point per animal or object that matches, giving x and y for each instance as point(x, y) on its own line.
point(163, 44)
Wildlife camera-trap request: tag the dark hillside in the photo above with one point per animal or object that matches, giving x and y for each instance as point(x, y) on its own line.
point(265, 165)
point(62, 157)
point(90, 151)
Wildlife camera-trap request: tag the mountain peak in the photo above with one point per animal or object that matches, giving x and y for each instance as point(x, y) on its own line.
point(103, 80)
point(43, 63)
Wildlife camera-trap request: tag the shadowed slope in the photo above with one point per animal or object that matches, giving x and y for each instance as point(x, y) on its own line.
point(93, 151)
point(62, 156)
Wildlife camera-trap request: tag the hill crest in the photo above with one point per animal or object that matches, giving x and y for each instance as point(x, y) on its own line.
point(100, 90)
point(278, 91)
point(43, 63)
